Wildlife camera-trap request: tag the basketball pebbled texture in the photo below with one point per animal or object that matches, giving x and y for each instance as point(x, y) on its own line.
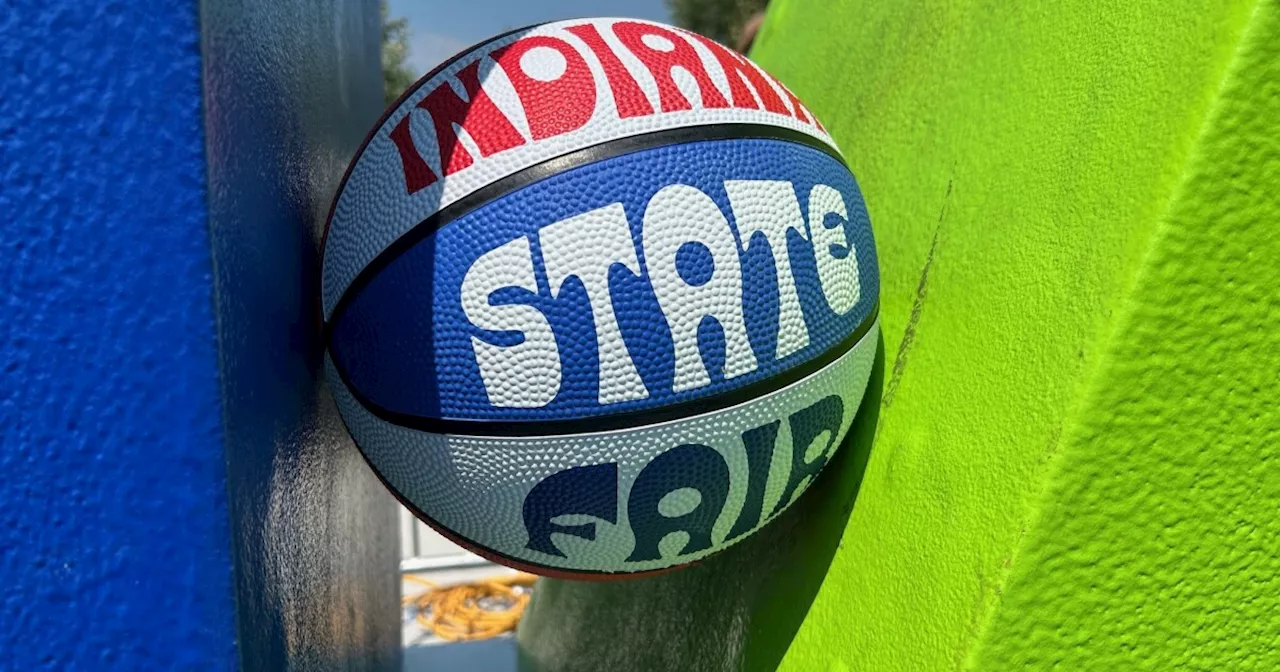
point(600, 298)
point(394, 333)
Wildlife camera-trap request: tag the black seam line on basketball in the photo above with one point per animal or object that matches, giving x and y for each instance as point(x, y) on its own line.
point(625, 420)
point(554, 166)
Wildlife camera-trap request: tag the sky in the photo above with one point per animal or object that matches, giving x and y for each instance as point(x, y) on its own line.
point(441, 28)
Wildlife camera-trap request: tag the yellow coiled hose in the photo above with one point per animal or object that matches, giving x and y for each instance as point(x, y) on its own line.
point(469, 611)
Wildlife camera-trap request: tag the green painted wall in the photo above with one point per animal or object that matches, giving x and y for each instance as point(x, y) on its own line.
point(1077, 208)
point(1074, 464)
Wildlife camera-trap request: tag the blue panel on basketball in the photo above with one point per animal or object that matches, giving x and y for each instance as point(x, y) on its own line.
point(404, 343)
point(591, 324)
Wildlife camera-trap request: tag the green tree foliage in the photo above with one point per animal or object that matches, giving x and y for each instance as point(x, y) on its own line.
point(720, 20)
point(396, 74)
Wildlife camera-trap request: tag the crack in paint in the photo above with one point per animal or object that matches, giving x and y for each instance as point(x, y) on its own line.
point(922, 291)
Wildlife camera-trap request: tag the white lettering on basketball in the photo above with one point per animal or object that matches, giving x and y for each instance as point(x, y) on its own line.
point(527, 374)
point(680, 214)
point(769, 207)
point(837, 260)
point(587, 246)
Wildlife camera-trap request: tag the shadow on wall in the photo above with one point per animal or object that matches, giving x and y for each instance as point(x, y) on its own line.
point(290, 87)
point(737, 610)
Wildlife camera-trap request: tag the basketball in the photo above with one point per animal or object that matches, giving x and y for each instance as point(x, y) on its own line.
point(600, 298)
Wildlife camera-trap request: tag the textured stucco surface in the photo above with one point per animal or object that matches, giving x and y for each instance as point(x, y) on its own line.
point(176, 490)
point(291, 88)
point(1075, 205)
point(114, 533)
point(1156, 545)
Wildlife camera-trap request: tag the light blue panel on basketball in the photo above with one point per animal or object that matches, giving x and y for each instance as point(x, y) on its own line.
point(405, 344)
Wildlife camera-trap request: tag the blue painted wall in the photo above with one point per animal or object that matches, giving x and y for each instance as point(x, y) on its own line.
point(175, 489)
point(114, 531)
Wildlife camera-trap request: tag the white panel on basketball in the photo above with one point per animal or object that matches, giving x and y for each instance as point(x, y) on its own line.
point(374, 210)
point(476, 486)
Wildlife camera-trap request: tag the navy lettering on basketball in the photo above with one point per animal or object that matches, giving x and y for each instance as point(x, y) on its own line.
point(692, 467)
point(582, 491)
point(593, 490)
point(759, 443)
point(821, 419)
